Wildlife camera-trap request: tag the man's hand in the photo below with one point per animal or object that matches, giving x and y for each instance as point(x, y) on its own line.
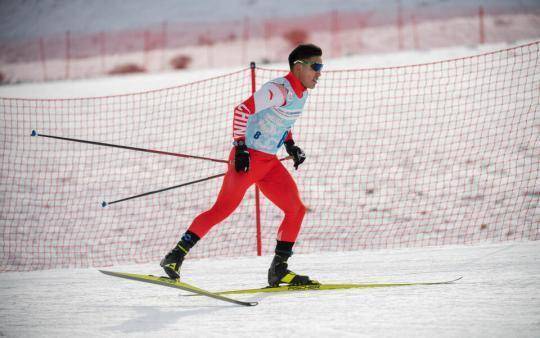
point(241, 157)
point(298, 155)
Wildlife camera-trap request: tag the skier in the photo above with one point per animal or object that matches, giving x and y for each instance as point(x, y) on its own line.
point(261, 125)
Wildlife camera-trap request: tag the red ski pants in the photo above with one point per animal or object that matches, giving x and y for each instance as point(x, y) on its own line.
point(274, 181)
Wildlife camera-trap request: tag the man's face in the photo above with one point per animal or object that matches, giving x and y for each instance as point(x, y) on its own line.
point(306, 74)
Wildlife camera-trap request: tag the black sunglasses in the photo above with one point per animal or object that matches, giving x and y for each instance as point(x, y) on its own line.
point(314, 65)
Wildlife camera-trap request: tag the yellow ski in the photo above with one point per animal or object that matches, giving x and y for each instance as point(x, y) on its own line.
point(166, 281)
point(319, 287)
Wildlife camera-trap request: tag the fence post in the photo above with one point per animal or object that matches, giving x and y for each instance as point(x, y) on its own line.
point(335, 32)
point(102, 51)
point(481, 22)
point(267, 31)
point(42, 58)
point(257, 193)
point(209, 49)
point(415, 33)
point(164, 27)
point(400, 24)
point(245, 38)
point(68, 53)
point(146, 48)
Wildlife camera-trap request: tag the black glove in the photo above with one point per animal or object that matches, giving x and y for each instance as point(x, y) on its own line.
point(298, 155)
point(241, 156)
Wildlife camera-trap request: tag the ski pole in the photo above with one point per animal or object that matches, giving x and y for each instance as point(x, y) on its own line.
point(105, 204)
point(35, 133)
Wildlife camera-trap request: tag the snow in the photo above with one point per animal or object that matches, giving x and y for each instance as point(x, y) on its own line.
point(497, 297)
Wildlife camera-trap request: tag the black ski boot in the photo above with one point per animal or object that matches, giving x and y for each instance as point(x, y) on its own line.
point(279, 272)
point(172, 262)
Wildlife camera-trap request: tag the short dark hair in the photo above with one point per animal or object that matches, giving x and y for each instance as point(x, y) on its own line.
point(304, 51)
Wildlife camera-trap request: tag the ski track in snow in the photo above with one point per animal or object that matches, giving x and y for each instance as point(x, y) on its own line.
point(498, 297)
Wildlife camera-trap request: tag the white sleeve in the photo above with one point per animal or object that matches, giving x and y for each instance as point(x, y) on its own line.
point(269, 95)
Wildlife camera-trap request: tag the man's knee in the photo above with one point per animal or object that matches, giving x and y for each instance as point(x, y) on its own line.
point(302, 208)
point(298, 209)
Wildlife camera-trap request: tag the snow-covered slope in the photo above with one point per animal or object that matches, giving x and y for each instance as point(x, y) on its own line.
point(497, 297)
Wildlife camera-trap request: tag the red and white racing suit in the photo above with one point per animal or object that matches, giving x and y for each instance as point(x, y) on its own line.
point(263, 121)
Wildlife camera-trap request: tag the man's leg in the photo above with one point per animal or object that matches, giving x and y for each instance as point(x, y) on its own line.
point(279, 186)
point(232, 191)
point(231, 194)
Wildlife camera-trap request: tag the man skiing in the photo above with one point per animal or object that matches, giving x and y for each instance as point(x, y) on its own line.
point(261, 125)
